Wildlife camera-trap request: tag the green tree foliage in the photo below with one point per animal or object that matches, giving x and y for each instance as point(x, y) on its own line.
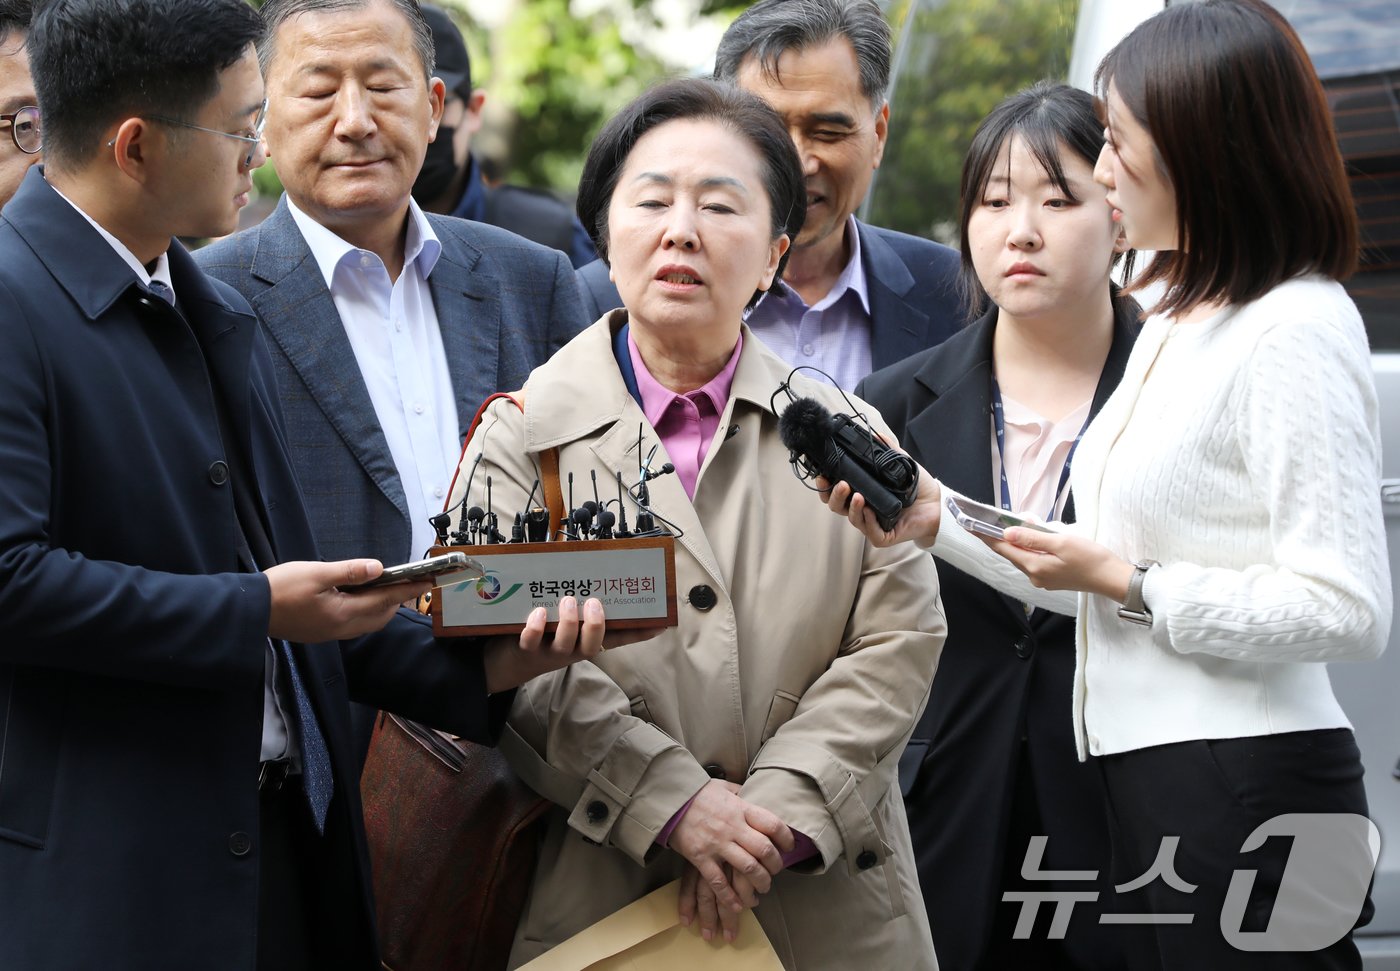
point(960, 59)
point(562, 76)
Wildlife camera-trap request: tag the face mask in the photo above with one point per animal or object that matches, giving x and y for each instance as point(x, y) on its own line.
point(439, 167)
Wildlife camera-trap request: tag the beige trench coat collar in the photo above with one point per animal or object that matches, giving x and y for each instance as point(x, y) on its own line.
point(581, 394)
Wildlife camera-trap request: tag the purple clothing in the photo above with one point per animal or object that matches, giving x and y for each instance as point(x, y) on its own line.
point(685, 423)
point(833, 334)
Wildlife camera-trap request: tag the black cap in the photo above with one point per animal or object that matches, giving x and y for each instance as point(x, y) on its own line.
point(453, 64)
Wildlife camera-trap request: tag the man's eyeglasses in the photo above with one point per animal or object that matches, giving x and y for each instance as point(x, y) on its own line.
point(25, 130)
point(252, 137)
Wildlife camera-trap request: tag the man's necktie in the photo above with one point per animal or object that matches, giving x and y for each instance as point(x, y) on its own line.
point(163, 291)
point(316, 775)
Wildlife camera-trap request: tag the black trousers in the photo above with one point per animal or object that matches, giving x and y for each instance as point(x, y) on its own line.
point(1211, 795)
point(306, 919)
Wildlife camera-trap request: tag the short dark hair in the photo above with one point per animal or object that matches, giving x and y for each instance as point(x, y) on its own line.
point(1243, 134)
point(277, 12)
point(770, 27)
point(1049, 118)
point(699, 99)
point(15, 17)
point(99, 61)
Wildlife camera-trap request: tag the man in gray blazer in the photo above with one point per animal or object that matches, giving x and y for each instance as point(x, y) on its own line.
point(388, 326)
point(855, 296)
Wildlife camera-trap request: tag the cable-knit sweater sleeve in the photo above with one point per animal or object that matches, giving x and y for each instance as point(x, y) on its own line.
point(1307, 430)
point(957, 547)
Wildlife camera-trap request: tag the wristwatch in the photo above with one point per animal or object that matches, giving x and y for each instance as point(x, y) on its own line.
point(1134, 611)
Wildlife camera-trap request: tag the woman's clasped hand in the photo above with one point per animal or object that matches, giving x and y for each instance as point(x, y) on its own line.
point(734, 849)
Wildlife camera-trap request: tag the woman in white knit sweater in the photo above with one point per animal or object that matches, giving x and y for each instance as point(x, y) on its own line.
point(1230, 537)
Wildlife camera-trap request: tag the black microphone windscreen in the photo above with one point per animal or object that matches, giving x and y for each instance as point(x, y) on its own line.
point(667, 469)
point(581, 516)
point(804, 427)
point(606, 519)
point(591, 506)
point(476, 514)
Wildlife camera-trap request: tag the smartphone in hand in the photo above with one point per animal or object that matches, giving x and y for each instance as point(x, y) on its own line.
point(985, 520)
point(420, 570)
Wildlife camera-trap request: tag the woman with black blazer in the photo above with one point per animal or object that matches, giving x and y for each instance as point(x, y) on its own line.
point(992, 763)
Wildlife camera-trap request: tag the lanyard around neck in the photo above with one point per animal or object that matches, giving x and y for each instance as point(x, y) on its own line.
point(999, 422)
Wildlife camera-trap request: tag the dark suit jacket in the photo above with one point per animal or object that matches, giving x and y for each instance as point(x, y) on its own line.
point(533, 213)
point(504, 305)
point(914, 301)
point(1002, 677)
point(131, 648)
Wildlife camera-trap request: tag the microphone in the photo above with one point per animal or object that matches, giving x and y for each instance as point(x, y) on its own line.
point(492, 532)
point(667, 469)
point(530, 499)
point(646, 521)
point(605, 524)
point(517, 529)
point(474, 517)
point(837, 448)
point(459, 536)
point(537, 526)
point(622, 532)
point(643, 496)
point(440, 522)
point(534, 519)
point(581, 519)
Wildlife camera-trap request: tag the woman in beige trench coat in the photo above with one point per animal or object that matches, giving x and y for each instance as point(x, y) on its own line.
point(803, 656)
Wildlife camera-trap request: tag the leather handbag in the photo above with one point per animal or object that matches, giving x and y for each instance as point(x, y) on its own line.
point(452, 836)
point(453, 832)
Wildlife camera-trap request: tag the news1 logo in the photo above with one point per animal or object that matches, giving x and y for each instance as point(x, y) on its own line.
point(1320, 895)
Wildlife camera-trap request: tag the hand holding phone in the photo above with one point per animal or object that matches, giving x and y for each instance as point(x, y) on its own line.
point(985, 520)
point(433, 566)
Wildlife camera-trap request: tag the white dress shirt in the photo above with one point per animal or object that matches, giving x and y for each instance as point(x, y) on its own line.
point(393, 329)
point(161, 270)
point(1036, 449)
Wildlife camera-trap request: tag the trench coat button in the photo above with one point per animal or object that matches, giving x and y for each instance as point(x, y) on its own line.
point(218, 473)
point(867, 859)
point(714, 770)
point(1025, 647)
point(240, 844)
point(702, 597)
point(597, 811)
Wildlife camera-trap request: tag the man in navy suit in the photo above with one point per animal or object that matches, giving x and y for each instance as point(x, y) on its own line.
point(388, 327)
point(177, 785)
point(854, 297)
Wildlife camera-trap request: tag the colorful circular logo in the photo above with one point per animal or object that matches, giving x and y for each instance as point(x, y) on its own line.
point(488, 587)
